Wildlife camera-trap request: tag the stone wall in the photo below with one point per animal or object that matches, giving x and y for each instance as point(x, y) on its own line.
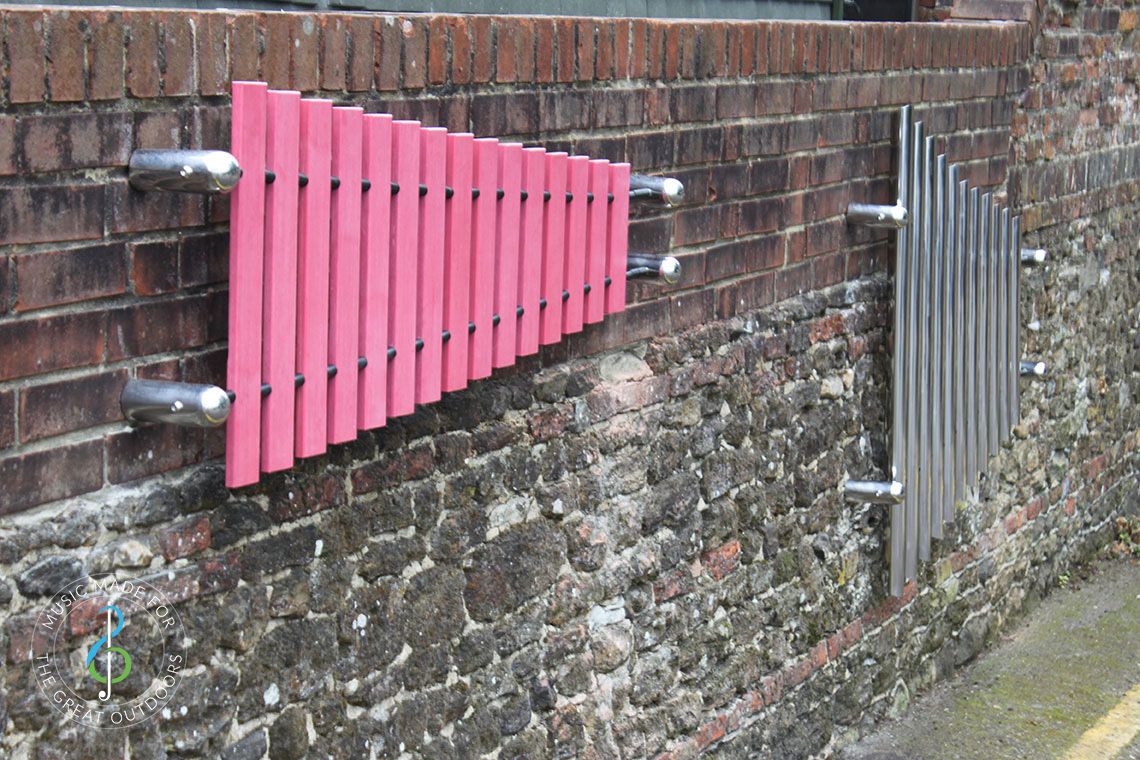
point(633, 545)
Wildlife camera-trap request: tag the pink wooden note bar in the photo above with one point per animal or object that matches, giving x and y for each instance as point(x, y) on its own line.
point(279, 348)
point(507, 254)
point(617, 248)
point(457, 261)
point(371, 411)
point(344, 274)
point(429, 309)
point(313, 278)
point(247, 209)
point(574, 275)
point(530, 251)
point(553, 247)
point(598, 216)
point(402, 270)
point(484, 218)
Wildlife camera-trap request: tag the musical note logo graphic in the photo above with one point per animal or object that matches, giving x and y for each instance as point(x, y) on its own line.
point(120, 621)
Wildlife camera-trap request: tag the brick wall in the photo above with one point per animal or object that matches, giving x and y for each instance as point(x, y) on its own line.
point(634, 544)
point(772, 127)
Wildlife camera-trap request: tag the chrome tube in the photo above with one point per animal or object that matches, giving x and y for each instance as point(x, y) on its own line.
point(874, 491)
point(940, 327)
point(1033, 256)
point(913, 480)
point(924, 285)
point(973, 208)
point(183, 171)
point(898, 361)
point(984, 389)
point(995, 402)
point(1005, 322)
point(665, 189)
point(181, 404)
point(1032, 369)
point(877, 215)
point(956, 212)
point(1015, 333)
point(666, 268)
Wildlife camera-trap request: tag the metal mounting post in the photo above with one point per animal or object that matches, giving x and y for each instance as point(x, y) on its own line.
point(665, 189)
point(667, 268)
point(183, 404)
point(184, 171)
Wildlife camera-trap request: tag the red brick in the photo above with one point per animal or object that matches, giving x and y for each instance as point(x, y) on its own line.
point(185, 538)
point(585, 50)
point(61, 407)
point(304, 64)
point(149, 450)
point(482, 32)
point(179, 60)
point(53, 278)
point(9, 156)
point(132, 211)
point(723, 560)
point(638, 49)
point(203, 259)
point(389, 41)
point(437, 50)
point(334, 52)
point(26, 57)
point(154, 267)
point(7, 419)
point(53, 213)
point(159, 327)
point(544, 50)
point(688, 48)
point(278, 34)
point(604, 52)
point(655, 54)
point(243, 46)
point(75, 141)
point(105, 56)
point(66, 42)
point(143, 76)
point(748, 37)
point(623, 38)
point(69, 340)
point(362, 41)
point(43, 476)
point(567, 49)
point(213, 63)
point(506, 53)
point(523, 32)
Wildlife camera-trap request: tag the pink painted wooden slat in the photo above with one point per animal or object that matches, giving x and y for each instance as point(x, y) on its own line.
point(375, 239)
point(598, 218)
point(457, 266)
point(247, 228)
point(344, 274)
point(554, 247)
point(279, 347)
point(530, 251)
point(429, 311)
point(484, 221)
point(574, 275)
point(618, 245)
point(403, 270)
point(507, 254)
point(313, 278)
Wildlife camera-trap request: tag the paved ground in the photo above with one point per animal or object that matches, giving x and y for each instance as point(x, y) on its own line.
point(1066, 684)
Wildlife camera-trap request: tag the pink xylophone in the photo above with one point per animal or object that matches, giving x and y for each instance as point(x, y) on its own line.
point(382, 263)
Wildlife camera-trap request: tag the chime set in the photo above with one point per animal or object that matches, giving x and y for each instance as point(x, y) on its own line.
point(376, 264)
point(956, 356)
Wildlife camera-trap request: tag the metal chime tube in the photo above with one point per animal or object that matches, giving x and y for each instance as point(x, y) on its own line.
point(924, 387)
point(1004, 325)
point(912, 480)
point(940, 407)
point(992, 319)
point(898, 427)
point(971, 443)
point(959, 191)
point(984, 389)
point(1015, 324)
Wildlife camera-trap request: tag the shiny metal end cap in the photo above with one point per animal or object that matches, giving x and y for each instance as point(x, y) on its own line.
point(670, 270)
point(1033, 369)
point(874, 491)
point(672, 191)
point(1033, 256)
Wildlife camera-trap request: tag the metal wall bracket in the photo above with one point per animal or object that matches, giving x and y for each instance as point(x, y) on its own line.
point(183, 404)
point(666, 268)
point(1032, 369)
point(874, 215)
point(184, 171)
point(874, 491)
point(1033, 256)
point(665, 189)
